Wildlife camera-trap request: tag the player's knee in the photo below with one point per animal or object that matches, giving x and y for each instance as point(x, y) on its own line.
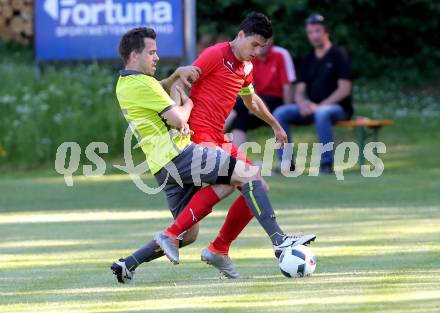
point(265, 185)
point(244, 173)
point(222, 191)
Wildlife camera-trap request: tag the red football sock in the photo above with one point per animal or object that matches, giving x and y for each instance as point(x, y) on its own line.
point(238, 217)
point(197, 208)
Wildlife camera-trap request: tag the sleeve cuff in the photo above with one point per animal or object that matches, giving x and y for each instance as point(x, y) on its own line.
point(246, 91)
point(167, 108)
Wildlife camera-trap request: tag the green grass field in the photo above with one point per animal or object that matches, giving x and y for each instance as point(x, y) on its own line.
point(378, 242)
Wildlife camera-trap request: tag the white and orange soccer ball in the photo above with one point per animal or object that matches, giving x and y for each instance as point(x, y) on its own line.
point(297, 261)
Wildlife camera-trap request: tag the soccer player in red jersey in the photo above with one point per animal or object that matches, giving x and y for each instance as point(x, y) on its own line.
point(226, 71)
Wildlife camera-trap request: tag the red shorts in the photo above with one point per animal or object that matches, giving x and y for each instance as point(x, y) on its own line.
point(216, 139)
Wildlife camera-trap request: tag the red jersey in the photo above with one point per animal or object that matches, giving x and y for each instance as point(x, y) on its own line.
point(273, 72)
point(215, 92)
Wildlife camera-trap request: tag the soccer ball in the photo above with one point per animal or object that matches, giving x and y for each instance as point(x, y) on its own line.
point(297, 261)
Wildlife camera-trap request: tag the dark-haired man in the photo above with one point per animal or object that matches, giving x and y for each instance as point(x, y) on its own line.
point(226, 71)
point(323, 92)
point(151, 113)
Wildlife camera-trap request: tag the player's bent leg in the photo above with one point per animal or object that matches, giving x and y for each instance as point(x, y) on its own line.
point(223, 191)
point(124, 269)
point(246, 177)
point(202, 159)
point(239, 215)
point(219, 258)
point(197, 208)
point(194, 166)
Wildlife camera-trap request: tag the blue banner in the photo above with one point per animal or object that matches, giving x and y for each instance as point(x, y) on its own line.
point(91, 30)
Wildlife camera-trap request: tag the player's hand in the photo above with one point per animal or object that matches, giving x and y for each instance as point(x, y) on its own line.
point(188, 74)
point(280, 136)
point(186, 131)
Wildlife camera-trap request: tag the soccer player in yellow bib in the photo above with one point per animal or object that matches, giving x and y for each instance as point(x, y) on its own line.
point(179, 165)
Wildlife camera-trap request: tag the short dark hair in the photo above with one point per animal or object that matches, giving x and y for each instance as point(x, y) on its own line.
point(134, 40)
point(316, 19)
point(257, 24)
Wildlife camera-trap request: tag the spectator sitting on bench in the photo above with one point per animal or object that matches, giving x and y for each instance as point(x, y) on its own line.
point(323, 91)
point(273, 74)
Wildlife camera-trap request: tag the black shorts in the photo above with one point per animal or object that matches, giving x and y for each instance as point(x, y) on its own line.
point(246, 120)
point(182, 177)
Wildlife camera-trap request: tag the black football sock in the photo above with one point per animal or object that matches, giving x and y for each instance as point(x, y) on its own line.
point(147, 253)
point(259, 203)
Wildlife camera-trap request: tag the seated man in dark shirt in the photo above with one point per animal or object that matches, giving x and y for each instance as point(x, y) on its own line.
point(323, 92)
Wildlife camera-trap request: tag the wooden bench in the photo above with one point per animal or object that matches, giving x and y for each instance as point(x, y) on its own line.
point(366, 128)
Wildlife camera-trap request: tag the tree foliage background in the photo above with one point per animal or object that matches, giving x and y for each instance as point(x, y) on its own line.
point(396, 39)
